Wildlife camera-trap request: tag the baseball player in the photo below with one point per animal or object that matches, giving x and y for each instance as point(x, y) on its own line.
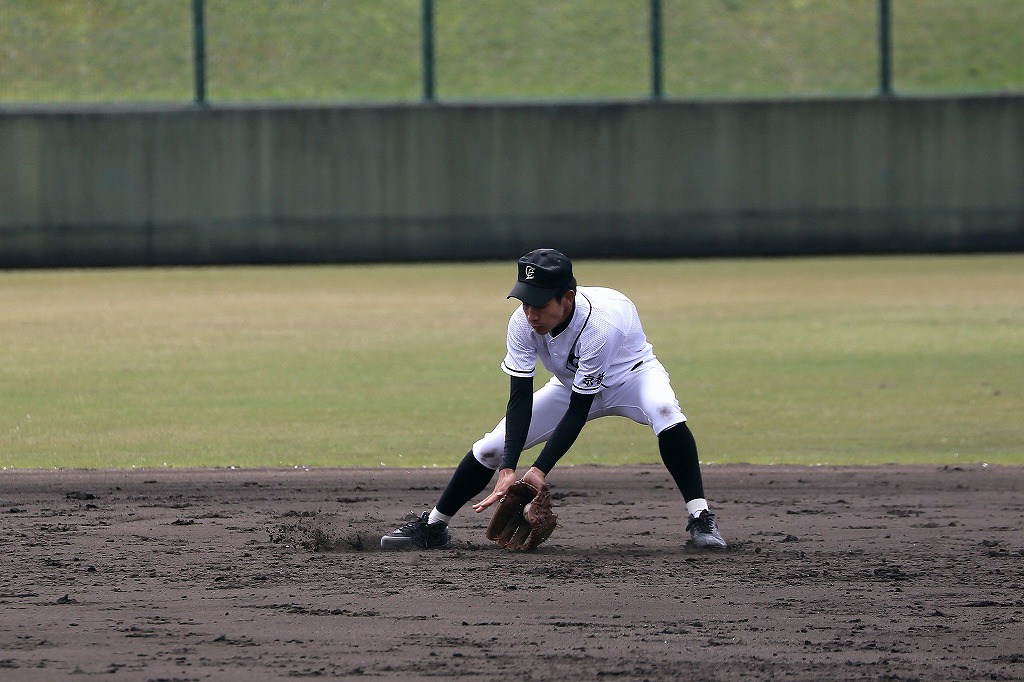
point(592, 342)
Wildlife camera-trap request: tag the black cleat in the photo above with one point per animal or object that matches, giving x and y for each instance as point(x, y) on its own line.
point(418, 534)
point(704, 531)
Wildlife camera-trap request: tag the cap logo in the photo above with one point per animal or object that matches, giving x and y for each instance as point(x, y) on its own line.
point(530, 271)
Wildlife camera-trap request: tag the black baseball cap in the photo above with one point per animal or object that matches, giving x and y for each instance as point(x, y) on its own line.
point(543, 274)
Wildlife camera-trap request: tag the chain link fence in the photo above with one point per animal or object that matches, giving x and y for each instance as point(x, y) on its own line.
point(60, 51)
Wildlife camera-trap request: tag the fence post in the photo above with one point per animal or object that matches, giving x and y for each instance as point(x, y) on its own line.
point(199, 51)
point(428, 50)
point(884, 48)
point(656, 51)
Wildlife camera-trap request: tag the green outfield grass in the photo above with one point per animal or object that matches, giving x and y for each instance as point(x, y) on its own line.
point(805, 361)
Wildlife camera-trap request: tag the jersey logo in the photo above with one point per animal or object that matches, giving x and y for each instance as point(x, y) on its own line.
point(590, 380)
point(530, 271)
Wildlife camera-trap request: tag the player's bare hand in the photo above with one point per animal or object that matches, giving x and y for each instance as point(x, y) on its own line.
point(536, 478)
point(506, 477)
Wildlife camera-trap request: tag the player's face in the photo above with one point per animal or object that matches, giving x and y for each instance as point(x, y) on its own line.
point(548, 316)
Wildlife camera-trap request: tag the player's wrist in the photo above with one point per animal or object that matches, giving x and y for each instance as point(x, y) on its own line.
point(542, 467)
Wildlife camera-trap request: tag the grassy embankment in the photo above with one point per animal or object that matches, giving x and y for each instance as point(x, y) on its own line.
point(368, 50)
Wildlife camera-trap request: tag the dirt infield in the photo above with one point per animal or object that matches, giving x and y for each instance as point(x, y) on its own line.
point(867, 574)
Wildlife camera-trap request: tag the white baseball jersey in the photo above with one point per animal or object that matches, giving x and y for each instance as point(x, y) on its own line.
point(602, 344)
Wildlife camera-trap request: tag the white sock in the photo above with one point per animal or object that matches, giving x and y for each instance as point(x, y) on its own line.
point(695, 507)
point(438, 516)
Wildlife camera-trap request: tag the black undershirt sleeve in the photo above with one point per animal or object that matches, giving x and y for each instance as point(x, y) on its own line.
point(517, 419)
point(566, 432)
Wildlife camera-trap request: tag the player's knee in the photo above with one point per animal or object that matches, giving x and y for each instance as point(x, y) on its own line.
point(487, 455)
point(666, 415)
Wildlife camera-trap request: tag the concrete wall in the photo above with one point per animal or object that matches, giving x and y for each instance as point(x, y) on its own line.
point(471, 181)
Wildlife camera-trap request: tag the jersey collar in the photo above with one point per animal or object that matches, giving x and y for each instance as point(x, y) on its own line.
point(564, 324)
